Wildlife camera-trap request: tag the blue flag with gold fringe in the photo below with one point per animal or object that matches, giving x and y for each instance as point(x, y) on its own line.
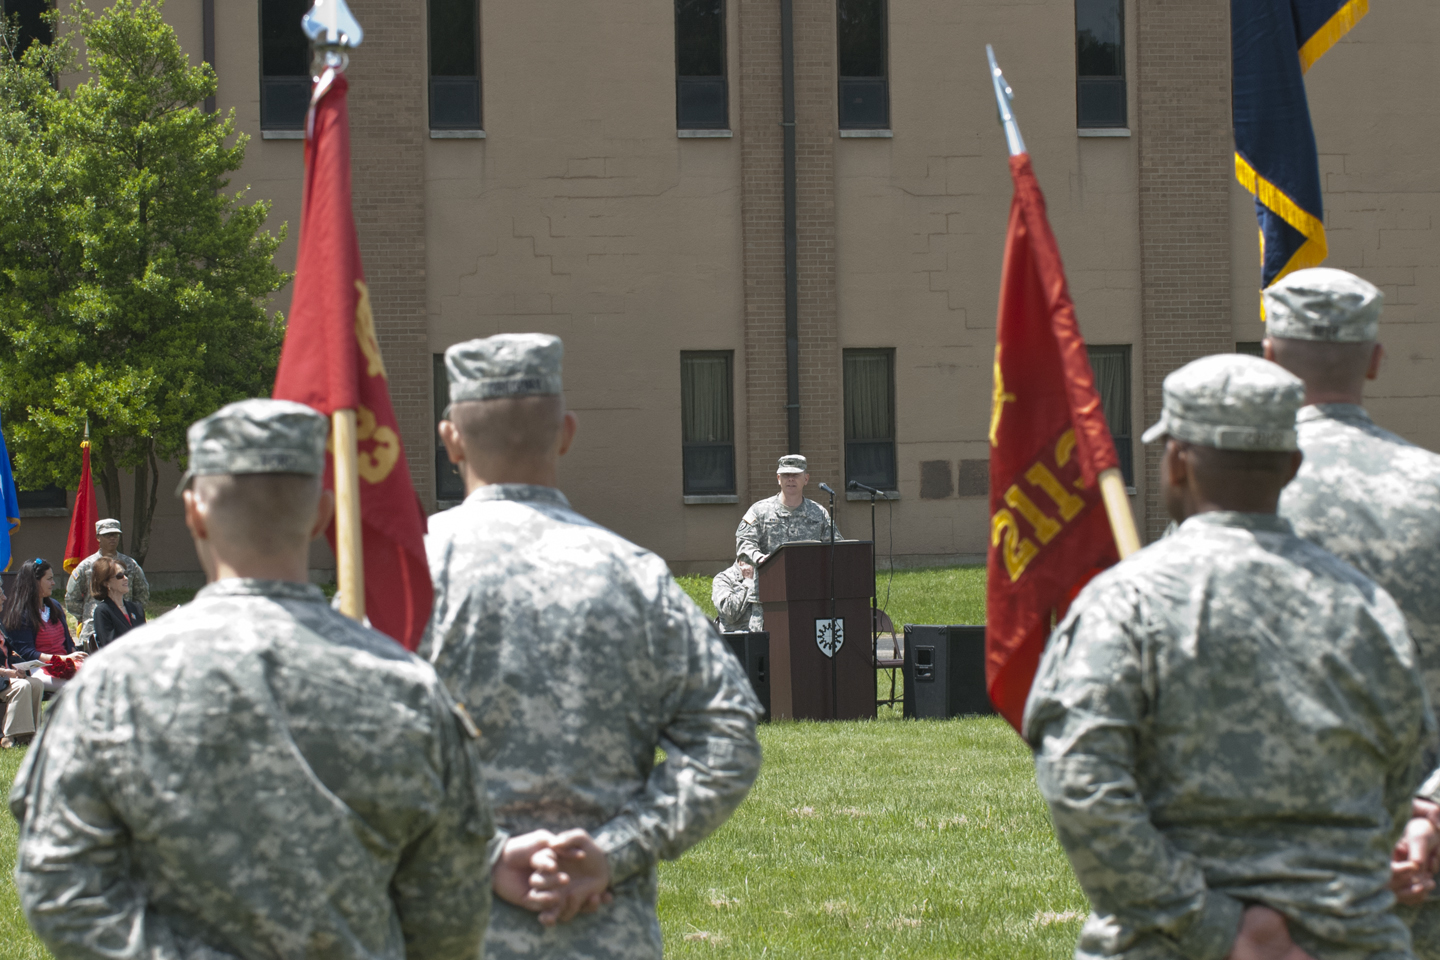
point(1273, 43)
point(9, 504)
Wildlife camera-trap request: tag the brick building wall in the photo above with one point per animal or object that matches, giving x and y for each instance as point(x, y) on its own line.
point(389, 131)
point(763, 217)
point(1186, 166)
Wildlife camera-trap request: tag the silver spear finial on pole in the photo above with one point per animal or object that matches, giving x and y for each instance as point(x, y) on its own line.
point(1003, 97)
point(333, 29)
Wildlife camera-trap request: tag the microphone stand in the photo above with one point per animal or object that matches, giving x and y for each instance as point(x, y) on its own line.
point(874, 575)
point(834, 651)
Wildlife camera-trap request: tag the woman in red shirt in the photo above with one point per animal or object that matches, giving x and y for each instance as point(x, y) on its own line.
point(35, 623)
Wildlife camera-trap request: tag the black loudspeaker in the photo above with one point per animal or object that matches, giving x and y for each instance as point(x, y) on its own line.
point(945, 672)
point(753, 652)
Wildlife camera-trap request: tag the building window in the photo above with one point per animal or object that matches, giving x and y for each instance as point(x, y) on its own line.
point(454, 65)
point(284, 65)
point(1100, 63)
point(33, 28)
point(1252, 347)
point(864, 65)
point(448, 485)
point(701, 94)
point(46, 498)
point(870, 418)
point(1112, 382)
point(707, 418)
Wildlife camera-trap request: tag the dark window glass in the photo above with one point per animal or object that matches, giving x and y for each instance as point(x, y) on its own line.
point(1100, 63)
point(454, 65)
point(864, 64)
point(870, 418)
point(47, 497)
point(1112, 381)
point(32, 28)
point(1252, 347)
point(284, 65)
point(707, 419)
point(448, 485)
point(701, 94)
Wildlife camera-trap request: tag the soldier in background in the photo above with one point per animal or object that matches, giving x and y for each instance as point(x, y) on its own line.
point(784, 518)
point(1363, 493)
point(254, 775)
point(578, 654)
point(733, 591)
point(1229, 725)
point(78, 600)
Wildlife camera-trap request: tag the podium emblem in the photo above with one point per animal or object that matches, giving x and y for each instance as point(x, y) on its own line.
point(830, 636)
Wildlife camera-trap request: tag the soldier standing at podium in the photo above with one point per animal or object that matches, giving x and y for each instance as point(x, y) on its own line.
point(784, 518)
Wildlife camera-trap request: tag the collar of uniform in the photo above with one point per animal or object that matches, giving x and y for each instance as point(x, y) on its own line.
point(1333, 411)
point(780, 500)
point(523, 492)
point(1258, 522)
point(250, 587)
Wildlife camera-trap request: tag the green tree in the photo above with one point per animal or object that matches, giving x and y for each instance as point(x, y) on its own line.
point(133, 288)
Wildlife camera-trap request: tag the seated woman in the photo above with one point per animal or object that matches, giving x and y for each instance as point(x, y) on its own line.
point(35, 623)
point(21, 695)
point(115, 614)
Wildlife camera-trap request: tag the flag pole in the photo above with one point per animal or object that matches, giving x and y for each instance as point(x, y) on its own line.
point(332, 30)
point(1112, 484)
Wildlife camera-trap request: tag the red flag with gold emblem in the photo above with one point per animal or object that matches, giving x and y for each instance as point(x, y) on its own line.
point(82, 540)
point(331, 361)
point(1048, 444)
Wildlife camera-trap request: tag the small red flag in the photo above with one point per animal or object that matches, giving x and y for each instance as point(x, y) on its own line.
point(331, 361)
point(81, 542)
point(1049, 442)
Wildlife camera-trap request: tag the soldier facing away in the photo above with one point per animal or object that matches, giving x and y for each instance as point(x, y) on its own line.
point(733, 591)
point(1363, 493)
point(577, 654)
point(253, 775)
point(1228, 726)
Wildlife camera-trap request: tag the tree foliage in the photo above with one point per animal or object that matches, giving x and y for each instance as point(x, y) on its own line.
point(133, 287)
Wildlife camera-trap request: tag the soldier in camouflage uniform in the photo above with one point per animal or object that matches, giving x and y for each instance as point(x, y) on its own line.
point(1363, 493)
point(733, 593)
point(784, 518)
point(1229, 725)
point(577, 654)
point(253, 775)
point(78, 600)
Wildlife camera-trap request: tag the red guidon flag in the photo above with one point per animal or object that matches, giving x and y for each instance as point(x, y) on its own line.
point(81, 542)
point(331, 361)
point(1048, 444)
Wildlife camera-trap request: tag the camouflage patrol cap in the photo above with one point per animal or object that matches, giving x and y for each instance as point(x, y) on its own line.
point(1323, 303)
point(505, 365)
point(1230, 401)
point(257, 436)
point(792, 463)
point(103, 527)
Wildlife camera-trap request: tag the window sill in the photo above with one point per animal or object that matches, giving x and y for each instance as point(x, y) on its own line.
point(457, 134)
point(695, 499)
point(1103, 132)
point(860, 495)
point(28, 512)
point(866, 134)
point(1130, 491)
point(447, 504)
point(704, 134)
point(282, 134)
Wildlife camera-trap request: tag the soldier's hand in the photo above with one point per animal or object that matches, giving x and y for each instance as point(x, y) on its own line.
point(514, 869)
point(1413, 862)
point(571, 877)
point(1264, 935)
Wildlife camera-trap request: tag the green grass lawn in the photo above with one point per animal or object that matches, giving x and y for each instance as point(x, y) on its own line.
point(939, 595)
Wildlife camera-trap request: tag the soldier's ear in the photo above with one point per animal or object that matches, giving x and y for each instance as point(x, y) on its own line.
point(568, 426)
point(1377, 357)
point(195, 518)
point(450, 437)
point(324, 510)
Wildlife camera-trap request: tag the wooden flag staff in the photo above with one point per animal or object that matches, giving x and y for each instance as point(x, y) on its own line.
point(1112, 484)
point(332, 30)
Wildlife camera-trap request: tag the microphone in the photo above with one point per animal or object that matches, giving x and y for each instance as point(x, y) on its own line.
point(857, 485)
point(826, 488)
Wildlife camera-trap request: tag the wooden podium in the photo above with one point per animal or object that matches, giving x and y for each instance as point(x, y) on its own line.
point(794, 588)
